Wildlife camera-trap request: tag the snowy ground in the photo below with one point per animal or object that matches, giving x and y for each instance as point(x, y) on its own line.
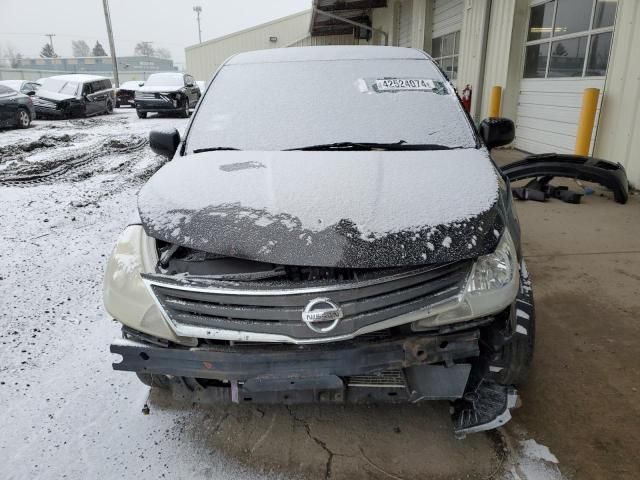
point(67, 189)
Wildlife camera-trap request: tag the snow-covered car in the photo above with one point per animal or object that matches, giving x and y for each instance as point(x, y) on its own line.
point(26, 87)
point(331, 229)
point(125, 94)
point(74, 95)
point(170, 92)
point(16, 109)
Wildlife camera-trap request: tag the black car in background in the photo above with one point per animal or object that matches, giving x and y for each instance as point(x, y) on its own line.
point(75, 95)
point(171, 92)
point(26, 87)
point(125, 95)
point(16, 109)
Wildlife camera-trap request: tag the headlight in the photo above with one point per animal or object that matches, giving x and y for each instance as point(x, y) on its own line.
point(126, 297)
point(491, 287)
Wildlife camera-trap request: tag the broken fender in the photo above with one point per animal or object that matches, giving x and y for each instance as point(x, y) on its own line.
point(606, 173)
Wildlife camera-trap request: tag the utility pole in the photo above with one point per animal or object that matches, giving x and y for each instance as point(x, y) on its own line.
point(198, 9)
point(50, 35)
point(112, 45)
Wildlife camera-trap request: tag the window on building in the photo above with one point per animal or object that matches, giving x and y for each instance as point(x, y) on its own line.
point(569, 38)
point(445, 51)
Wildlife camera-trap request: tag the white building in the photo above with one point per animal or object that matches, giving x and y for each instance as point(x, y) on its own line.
point(544, 53)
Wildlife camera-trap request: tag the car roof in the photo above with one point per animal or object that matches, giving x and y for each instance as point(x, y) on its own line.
point(14, 83)
point(328, 53)
point(78, 77)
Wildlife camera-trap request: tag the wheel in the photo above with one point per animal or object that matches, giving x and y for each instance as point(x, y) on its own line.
point(109, 107)
point(517, 355)
point(117, 103)
point(23, 118)
point(159, 381)
point(141, 114)
point(184, 113)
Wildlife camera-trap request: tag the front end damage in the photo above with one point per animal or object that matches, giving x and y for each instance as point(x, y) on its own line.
point(239, 333)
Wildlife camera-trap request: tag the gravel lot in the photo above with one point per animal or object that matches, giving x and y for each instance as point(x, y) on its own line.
point(67, 189)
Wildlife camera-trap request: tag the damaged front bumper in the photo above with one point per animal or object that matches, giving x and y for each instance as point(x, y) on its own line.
point(399, 369)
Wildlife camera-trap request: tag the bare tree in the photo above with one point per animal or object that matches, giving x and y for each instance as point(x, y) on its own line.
point(80, 48)
point(13, 56)
point(144, 49)
point(163, 53)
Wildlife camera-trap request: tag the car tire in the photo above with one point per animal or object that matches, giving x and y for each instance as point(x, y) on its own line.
point(141, 114)
point(109, 107)
point(151, 380)
point(118, 104)
point(184, 113)
point(23, 118)
point(517, 355)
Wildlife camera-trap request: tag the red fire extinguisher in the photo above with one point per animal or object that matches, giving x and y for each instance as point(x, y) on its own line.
point(466, 98)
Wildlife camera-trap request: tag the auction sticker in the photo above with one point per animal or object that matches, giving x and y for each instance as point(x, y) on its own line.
point(398, 84)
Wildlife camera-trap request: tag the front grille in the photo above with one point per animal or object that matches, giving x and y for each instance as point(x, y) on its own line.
point(386, 379)
point(147, 96)
point(259, 307)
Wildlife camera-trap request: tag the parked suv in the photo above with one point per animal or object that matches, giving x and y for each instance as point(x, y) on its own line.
point(331, 229)
point(74, 95)
point(167, 93)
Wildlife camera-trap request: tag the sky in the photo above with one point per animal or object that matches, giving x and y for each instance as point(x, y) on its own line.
point(169, 24)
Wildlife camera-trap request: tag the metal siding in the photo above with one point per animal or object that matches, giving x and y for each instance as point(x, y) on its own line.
point(471, 48)
point(447, 17)
point(405, 25)
point(548, 112)
point(310, 41)
point(204, 59)
point(618, 134)
point(496, 66)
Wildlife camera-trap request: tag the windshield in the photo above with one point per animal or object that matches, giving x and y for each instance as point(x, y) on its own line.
point(60, 86)
point(285, 105)
point(162, 79)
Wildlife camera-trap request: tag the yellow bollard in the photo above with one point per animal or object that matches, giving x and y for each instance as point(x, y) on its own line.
point(494, 101)
point(587, 119)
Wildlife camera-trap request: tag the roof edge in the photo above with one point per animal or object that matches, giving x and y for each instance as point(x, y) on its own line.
point(248, 29)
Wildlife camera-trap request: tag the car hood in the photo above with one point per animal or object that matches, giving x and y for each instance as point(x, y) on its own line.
point(159, 88)
point(357, 209)
point(54, 96)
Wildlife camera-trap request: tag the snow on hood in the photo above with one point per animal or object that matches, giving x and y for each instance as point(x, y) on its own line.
point(55, 96)
point(348, 209)
point(159, 88)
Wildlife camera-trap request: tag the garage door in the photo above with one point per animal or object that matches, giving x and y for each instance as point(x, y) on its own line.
point(567, 50)
point(447, 17)
point(445, 35)
point(404, 23)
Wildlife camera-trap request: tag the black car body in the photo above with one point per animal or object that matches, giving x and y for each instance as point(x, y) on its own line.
point(126, 93)
point(26, 87)
point(74, 95)
point(360, 245)
point(170, 92)
point(16, 109)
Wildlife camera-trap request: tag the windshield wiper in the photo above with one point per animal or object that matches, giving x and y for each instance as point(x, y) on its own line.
point(213, 149)
point(401, 145)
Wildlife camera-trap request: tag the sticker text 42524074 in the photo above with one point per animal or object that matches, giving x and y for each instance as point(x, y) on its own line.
point(396, 84)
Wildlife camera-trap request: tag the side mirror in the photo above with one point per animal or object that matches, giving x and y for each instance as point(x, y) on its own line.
point(31, 93)
point(164, 142)
point(496, 132)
